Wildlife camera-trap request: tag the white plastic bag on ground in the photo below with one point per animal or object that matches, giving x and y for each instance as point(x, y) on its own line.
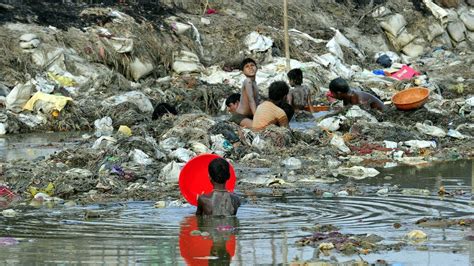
point(182, 154)
point(171, 144)
point(18, 97)
point(356, 112)
point(257, 42)
point(135, 97)
point(342, 40)
point(335, 49)
point(170, 172)
point(331, 123)
point(3, 129)
point(338, 142)
point(430, 130)
point(420, 144)
point(259, 143)
point(103, 127)
point(108, 140)
point(292, 163)
point(32, 120)
point(390, 144)
point(186, 62)
point(358, 172)
point(140, 157)
point(199, 148)
point(456, 134)
point(140, 68)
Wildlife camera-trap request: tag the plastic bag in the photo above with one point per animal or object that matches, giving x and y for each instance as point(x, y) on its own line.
point(17, 98)
point(338, 142)
point(103, 127)
point(140, 157)
point(431, 130)
point(358, 172)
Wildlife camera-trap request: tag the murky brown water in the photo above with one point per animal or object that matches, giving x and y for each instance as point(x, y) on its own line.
point(265, 231)
point(34, 146)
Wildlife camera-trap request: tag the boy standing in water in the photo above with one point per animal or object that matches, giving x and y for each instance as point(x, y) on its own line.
point(300, 95)
point(341, 91)
point(248, 96)
point(219, 202)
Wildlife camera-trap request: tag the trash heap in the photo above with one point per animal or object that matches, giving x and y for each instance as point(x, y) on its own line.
point(106, 68)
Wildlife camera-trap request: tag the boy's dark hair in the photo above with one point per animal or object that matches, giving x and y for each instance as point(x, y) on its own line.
point(339, 85)
point(296, 75)
point(246, 61)
point(278, 90)
point(219, 170)
point(233, 98)
point(289, 111)
point(162, 109)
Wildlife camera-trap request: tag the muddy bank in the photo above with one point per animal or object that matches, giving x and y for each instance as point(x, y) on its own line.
point(97, 67)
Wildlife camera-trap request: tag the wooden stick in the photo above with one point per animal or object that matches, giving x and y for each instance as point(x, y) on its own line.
point(287, 41)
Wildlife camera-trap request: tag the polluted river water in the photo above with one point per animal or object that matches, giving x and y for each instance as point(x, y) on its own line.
point(265, 231)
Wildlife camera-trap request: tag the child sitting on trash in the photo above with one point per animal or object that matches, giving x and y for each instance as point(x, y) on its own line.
point(249, 95)
point(300, 96)
point(340, 90)
point(232, 102)
point(269, 112)
point(219, 202)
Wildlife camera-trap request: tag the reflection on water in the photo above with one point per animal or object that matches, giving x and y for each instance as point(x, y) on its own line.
point(35, 145)
point(264, 231)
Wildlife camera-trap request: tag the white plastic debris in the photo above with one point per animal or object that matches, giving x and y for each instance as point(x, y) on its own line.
point(430, 130)
point(182, 154)
point(99, 142)
point(135, 97)
point(103, 127)
point(140, 157)
point(186, 62)
point(338, 142)
point(257, 42)
point(416, 235)
point(3, 129)
point(390, 144)
point(356, 112)
point(18, 97)
point(331, 123)
point(437, 11)
point(358, 172)
point(170, 172)
point(140, 68)
point(452, 133)
point(292, 163)
point(420, 144)
point(171, 144)
point(199, 148)
point(10, 213)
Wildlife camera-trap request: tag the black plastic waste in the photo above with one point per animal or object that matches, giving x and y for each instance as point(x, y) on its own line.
point(384, 60)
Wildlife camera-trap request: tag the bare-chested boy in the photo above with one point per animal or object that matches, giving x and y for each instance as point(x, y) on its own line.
point(219, 202)
point(248, 96)
point(341, 91)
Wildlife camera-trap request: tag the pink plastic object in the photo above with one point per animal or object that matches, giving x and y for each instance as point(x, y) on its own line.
point(405, 72)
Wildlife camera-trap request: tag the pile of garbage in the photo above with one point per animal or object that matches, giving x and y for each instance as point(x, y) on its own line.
point(106, 69)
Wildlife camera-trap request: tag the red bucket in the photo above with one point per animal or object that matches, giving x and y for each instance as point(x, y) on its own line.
point(194, 178)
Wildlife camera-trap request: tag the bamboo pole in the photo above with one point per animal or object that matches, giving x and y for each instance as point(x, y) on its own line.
point(287, 41)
